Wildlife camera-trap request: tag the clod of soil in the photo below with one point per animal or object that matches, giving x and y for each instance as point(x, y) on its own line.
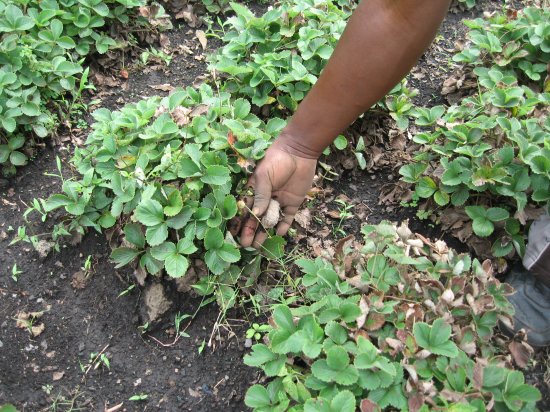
point(43, 248)
point(156, 302)
point(272, 214)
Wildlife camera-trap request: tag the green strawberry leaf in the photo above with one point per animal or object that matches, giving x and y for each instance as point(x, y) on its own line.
point(123, 255)
point(150, 212)
point(175, 204)
point(176, 265)
point(435, 338)
point(155, 235)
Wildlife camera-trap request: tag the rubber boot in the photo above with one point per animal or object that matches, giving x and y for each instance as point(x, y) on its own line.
point(531, 299)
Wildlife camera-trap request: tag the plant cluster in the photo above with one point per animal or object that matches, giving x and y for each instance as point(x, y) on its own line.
point(276, 58)
point(279, 55)
point(493, 147)
point(168, 171)
point(393, 322)
point(42, 48)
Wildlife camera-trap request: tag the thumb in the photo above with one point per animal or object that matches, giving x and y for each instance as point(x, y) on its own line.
point(262, 194)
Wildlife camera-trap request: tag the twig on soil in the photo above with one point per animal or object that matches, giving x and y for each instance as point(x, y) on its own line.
point(167, 345)
point(90, 364)
point(114, 408)
point(18, 291)
point(217, 384)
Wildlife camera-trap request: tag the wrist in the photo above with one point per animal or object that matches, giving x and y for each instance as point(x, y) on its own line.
point(296, 146)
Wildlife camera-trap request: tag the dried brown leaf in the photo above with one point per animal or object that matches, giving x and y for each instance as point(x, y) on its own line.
point(37, 329)
point(303, 218)
point(79, 280)
point(140, 274)
point(479, 369)
point(114, 408)
point(415, 402)
point(364, 306)
point(201, 37)
point(341, 245)
point(199, 110)
point(181, 115)
point(521, 353)
point(189, 16)
point(58, 375)
point(163, 87)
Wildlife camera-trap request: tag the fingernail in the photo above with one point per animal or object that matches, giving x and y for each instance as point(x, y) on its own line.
point(255, 211)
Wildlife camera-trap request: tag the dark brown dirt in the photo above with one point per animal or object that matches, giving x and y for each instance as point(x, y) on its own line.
point(81, 321)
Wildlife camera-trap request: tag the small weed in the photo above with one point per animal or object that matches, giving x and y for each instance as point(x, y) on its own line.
point(344, 211)
point(96, 361)
point(88, 265)
point(143, 328)
point(155, 55)
point(126, 291)
point(65, 403)
point(15, 273)
point(139, 397)
point(256, 331)
point(202, 346)
point(180, 317)
point(47, 389)
point(22, 236)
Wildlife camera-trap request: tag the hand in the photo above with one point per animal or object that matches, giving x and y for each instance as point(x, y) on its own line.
point(284, 176)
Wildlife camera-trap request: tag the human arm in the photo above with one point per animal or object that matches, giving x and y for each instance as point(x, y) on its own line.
point(382, 41)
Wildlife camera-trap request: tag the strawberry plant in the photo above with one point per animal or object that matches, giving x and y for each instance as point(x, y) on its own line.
point(42, 47)
point(276, 58)
point(167, 173)
point(492, 148)
point(422, 341)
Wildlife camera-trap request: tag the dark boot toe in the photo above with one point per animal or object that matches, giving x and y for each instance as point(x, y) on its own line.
point(531, 301)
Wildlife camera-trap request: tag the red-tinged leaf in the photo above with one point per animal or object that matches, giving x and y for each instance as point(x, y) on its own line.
point(374, 321)
point(231, 139)
point(415, 402)
point(369, 406)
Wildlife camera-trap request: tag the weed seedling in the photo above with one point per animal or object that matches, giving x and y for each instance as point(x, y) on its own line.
point(96, 360)
point(88, 265)
point(154, 54)
point(344, 211)
point(143, 328)
point(99, 359)
point(138, 397)
point(257, 331)
point(23, 236)
point(177, 323)
point(126, 291)
point(15, 272)
point(202, 346)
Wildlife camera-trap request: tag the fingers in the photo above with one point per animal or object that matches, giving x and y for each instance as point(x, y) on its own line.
point(250, 225)
point(288, 217)
point(262, 194)
point(249, 231)
point(259, 239)
point(262, 197)
point(282, 227)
